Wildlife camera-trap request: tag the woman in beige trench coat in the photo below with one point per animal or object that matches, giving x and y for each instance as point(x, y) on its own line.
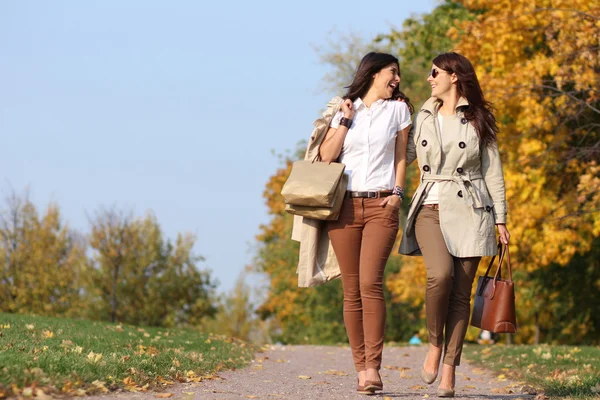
point(453, 212)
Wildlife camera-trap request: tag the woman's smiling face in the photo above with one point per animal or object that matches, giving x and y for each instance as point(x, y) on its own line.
point(386, 81)
point(441, 81)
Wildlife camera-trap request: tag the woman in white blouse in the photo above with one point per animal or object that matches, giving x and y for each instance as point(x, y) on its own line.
point(369, 137)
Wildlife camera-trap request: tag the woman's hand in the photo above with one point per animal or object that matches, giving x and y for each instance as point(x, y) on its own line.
point(393, 200)
point(503, 232)
point(348, 109)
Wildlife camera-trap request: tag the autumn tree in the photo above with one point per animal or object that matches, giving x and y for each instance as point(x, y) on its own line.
point(236, 315)
point(538, 63)
point(141, 278)
point(43, 261)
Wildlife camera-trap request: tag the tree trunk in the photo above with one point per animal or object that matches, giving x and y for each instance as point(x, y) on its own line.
point(113, 312)
point(536, 337)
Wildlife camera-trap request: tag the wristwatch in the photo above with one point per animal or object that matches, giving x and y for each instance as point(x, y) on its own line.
point(347, 122)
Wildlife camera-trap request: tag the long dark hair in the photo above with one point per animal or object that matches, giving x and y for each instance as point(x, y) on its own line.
point(479, 110)
point(371, 64)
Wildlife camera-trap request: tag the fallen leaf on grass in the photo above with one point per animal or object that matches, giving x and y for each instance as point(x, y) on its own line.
point(304, 377)
point(99, 385)
point(47, 334)
point(596, 389)
point(94, 357)
point(163, 395)
point(39, 394)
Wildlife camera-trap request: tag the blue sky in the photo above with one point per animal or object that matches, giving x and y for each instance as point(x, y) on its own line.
point(169, 106)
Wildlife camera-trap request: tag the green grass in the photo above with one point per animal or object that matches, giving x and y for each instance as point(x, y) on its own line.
point(76, 356)
point(560, 371)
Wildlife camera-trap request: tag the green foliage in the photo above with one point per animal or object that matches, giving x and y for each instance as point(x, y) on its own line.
point(74, 357)
point(419, 41)
point(570, 296)
point(126, 271)
point(142, 279)
point(236, 316)
point(557, 370)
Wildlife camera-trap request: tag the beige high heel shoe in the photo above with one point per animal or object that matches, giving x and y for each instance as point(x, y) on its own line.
point(428, 377)
point(445, 392)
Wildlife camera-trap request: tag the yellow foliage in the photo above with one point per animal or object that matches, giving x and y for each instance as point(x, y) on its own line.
point(538, 63)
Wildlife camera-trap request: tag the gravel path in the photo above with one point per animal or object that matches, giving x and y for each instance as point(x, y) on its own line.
point(327, 372)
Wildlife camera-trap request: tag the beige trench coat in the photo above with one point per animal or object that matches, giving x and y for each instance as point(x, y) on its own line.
point(317, 263)
point(472, 197)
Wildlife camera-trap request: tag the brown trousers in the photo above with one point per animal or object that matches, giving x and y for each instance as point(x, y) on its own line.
point(449, 283)
point(362, 239)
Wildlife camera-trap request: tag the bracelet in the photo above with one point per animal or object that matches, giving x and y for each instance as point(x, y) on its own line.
point(398, 191)
point(347, 122)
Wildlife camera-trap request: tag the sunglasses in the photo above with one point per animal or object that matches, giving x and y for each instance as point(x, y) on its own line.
point(434, 73)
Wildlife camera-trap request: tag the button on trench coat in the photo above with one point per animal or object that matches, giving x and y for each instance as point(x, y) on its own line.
point(470, 183)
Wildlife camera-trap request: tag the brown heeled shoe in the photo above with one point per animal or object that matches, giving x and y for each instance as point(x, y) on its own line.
point(373, 385)
point(363, 389)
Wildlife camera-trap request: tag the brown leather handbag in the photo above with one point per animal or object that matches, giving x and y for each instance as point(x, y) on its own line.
point(494, 308)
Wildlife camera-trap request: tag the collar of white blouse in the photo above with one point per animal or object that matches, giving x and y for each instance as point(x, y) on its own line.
point(358, 104)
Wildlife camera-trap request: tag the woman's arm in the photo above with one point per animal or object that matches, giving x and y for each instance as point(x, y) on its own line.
point(332, 144)
point(331, 147)
point(411, 148)
point(400, 156)
point(399, 165)
point(491, 169)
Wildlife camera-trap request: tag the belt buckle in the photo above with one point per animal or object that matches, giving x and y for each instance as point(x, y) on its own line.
point(372, 195)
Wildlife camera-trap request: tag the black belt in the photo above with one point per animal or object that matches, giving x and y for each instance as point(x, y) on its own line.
point(369, 195)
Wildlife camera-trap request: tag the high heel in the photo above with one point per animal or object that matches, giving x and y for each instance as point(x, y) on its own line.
point(441, 392)
point(373, 385)
point(428, 377)
point(363, 389)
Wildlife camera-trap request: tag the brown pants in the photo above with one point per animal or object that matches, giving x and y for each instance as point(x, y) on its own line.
point(449, 283)
point(362, 239)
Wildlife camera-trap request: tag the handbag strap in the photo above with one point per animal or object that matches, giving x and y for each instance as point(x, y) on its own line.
point(505, 254)
point(503, 250)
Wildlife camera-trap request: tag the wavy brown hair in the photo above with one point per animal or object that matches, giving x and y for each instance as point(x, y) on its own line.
point(479, 110)
point(371, 64)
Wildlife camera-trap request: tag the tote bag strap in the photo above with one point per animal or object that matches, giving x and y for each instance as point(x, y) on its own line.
point(502, 250)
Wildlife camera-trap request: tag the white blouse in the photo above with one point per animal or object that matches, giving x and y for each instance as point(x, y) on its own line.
point(369, 147)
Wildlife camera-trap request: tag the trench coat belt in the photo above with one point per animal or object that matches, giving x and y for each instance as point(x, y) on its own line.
point(471, 194)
